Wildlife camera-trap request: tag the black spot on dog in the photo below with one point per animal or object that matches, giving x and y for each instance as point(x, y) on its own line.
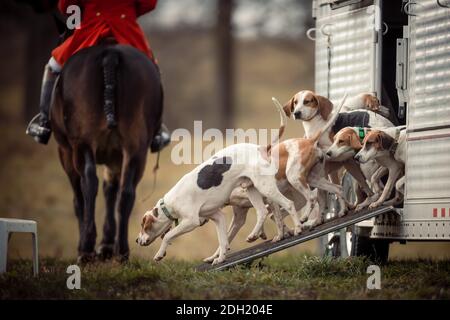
point(352, 119)
point(211, 175)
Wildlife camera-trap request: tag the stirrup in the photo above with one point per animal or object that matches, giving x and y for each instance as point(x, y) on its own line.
point(161, 140)
point(39, 133)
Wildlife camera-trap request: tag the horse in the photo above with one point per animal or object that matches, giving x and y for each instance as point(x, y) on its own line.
point(107, 106)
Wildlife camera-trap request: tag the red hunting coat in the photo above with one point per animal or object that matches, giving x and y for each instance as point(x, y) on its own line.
point(105, 18)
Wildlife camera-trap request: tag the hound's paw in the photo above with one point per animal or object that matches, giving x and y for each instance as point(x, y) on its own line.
point(341, 213)
point(218, 260)
point(211, 258)
point(252, 238)
point(263, 236)
point(297, 231)
point(360, 207)
point(308, 226)
point(312, 223)
point(304, 218)
point(374, 205)
point(277, 238)
point(159, 256)
point(351, 206)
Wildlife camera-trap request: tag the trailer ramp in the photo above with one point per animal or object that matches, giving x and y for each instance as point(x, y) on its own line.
point(266, 248)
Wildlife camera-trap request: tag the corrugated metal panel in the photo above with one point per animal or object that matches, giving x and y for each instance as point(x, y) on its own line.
point(428, 169)
point(429, 104)
point(428, 160)
point(353, 53)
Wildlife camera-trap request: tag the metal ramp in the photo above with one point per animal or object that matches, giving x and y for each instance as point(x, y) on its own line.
point(266, 248)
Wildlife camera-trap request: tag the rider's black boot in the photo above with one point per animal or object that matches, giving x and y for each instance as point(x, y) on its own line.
point(39, 127)
point(161, 139)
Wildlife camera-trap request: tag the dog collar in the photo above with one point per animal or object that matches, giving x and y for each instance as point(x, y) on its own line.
point(361, 133)
point(166, 211)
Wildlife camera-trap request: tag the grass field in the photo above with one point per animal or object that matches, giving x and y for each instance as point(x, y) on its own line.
point(290, 277)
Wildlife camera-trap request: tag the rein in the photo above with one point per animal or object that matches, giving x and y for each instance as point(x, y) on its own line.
point(155, 174)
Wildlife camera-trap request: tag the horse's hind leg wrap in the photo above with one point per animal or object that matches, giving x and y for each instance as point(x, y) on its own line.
point(109, 64)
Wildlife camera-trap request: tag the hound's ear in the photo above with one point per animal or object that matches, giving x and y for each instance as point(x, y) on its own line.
point(354, 142)
point(385, 141)
point(289, 107)
point(325, 106)
point(147, 221)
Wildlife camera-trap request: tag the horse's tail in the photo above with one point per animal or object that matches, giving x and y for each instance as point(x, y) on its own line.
point(109, 63)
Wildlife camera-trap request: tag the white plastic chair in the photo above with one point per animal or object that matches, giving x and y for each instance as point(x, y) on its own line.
point(8, 226)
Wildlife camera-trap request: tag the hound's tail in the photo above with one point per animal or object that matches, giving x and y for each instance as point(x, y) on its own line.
point(331, 122)
point(282, 123)
point(109, 64)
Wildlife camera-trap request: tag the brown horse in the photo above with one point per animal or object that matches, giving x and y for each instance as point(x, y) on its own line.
point(107, 107)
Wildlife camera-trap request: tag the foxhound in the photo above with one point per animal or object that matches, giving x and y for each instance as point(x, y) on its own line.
point(388, 148)
point(202, 193)
point(347, 144)
point(314, 111)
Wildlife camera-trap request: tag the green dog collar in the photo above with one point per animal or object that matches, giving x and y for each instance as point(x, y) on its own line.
point(167, 212)
point(361, 133)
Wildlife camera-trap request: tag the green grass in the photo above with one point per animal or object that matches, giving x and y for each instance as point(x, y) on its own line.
point(290, 277)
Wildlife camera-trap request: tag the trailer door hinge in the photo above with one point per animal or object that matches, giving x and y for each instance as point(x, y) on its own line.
point(401, 80)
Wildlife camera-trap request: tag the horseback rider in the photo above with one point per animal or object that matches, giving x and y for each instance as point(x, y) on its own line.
point(100, 19)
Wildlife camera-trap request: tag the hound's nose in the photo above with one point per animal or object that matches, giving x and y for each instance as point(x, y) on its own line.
point(329, 153)
point(137, 240)
point(297, 114)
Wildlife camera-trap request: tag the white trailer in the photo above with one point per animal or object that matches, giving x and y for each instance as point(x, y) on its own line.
point(400, 51)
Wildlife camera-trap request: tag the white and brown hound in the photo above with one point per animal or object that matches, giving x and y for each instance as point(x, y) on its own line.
point(348, 142)
point(314, 111)
point(388, 148)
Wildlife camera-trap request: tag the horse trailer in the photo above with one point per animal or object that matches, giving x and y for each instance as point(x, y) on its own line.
point(400, 51)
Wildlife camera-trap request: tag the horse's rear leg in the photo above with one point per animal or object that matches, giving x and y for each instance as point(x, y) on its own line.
point(89, 186)
point(75, 181)
point(110, 190)
point(132, 171)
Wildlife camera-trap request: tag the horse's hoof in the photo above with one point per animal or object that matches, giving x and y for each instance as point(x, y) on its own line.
point(122, 258)
point(105, 252)
point(85, 258)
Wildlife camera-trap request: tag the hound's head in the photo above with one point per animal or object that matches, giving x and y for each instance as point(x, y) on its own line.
point(306, 105)
point(375, 144)
point(345, 145)
point(153, 225)
point(370, 102)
